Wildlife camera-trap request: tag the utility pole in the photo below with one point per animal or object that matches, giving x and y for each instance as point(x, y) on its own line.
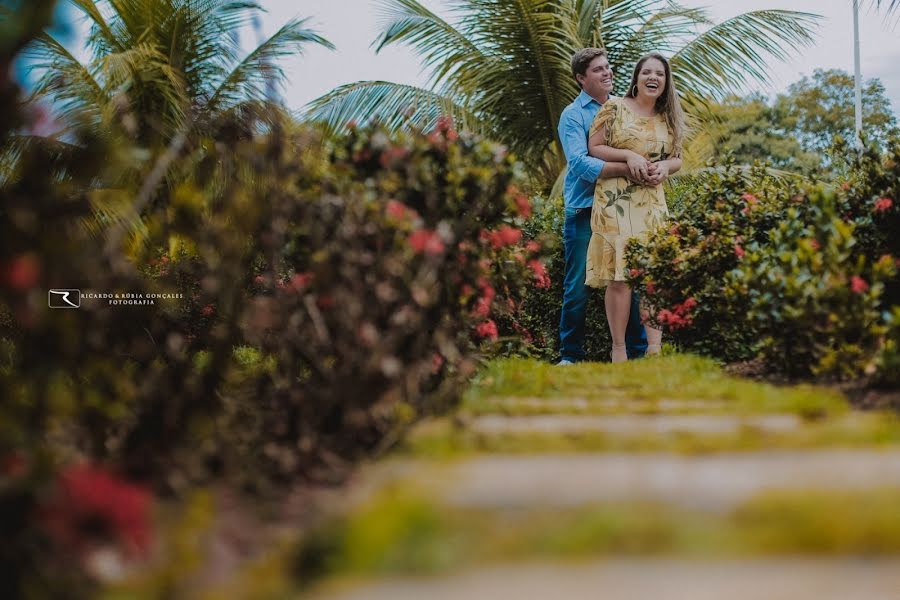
point(857, 77)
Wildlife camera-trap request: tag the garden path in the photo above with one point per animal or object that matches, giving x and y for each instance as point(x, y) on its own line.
point(664, 479)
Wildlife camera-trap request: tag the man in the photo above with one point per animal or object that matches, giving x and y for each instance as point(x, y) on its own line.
point(591, 70)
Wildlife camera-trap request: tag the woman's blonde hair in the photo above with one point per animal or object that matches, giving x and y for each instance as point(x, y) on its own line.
point(668, 104)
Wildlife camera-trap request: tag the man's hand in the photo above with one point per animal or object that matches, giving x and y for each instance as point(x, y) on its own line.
point(659, 173)
point(638, 166)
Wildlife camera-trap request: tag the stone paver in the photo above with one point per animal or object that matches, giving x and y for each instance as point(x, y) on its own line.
point(715, 482)
point(785, 579)
point(633, 424)
point(579, 404)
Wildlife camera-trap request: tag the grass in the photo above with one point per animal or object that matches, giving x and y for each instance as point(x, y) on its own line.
point(400, 532)
point(444, 439)
point(643, 382)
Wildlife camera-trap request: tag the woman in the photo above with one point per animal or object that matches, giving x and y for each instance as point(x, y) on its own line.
point(646, 130)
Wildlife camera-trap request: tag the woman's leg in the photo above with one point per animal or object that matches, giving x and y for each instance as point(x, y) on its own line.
point(618, 307)
point(654, 340)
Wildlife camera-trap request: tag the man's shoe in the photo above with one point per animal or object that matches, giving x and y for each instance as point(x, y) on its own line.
point(564, 363)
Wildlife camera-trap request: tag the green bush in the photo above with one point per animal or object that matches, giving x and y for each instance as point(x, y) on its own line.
point(682, 269)
point(813, 299)
point(754, 264)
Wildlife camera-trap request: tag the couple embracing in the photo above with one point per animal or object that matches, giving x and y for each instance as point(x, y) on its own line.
point(619, 152)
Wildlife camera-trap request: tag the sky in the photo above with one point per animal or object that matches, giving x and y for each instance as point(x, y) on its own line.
point(352, 25)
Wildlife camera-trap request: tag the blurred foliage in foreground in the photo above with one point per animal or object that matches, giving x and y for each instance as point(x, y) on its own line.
point(310, 301)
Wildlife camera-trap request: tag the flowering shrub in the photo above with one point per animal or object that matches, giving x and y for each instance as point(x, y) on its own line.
point(682, 269)
point(324, 296)
point(751, 264)
point(813, 300)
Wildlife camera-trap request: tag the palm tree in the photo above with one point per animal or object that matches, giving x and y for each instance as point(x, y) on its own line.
point(171, 64)
point(503, 66)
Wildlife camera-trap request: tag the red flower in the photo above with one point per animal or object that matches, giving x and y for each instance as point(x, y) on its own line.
point(301, 280)
point(674, 230)
point(883, 204)
point(90, 501)
point(845, 186)
point(650, 287)
point(22, 272)
point(13, 465)
point(259, 280)
point(815, 244)
point(542, 280)
point(858, 285)
point(393, 155)
point(398, 211)
point(483, 306)
point(487, 330)
point(208, 310)
point(533, 247)
point(437, 361)
point(444, 123)
point(635, 273)
point(738, 251)
point(426, 241)
point(523, 205)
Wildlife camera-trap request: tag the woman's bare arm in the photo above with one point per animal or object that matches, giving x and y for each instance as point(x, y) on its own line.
point(638, 166)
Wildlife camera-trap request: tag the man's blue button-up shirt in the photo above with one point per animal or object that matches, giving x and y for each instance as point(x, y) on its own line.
point(583, 169)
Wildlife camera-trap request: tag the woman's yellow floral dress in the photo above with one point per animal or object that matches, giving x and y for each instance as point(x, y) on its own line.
point(622, 209)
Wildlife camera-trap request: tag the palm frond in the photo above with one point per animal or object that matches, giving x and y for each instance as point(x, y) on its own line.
point(74, 90)
point(252, 76)
point(394, 105)
point(726, 57)
point(438, 43)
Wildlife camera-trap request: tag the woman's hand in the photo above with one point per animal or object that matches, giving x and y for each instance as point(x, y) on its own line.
point(638, 166)
point(660, 173)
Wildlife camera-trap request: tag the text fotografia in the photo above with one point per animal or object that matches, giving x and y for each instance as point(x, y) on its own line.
point(130, 298)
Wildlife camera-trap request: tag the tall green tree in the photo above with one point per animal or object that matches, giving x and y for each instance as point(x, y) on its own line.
point(502, 66)
point(818, 109)
point(171, 64)
point(748, 128)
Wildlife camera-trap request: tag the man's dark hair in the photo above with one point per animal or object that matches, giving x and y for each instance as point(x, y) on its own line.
point(582, 58)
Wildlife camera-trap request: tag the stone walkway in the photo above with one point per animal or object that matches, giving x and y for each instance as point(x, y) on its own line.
point(494, 504)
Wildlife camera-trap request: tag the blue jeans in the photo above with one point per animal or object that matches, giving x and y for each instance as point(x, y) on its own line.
point(576, 237)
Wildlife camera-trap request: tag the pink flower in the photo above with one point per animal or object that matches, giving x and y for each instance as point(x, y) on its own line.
point(426, 241)
point(650, 287)
point(533, 247)
point(749, 198)
point(738, 251)
point(674, 230)
point(635, 273)
point(487, 330)
point(883, 204)
point(90, 502)
point(858, 285)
